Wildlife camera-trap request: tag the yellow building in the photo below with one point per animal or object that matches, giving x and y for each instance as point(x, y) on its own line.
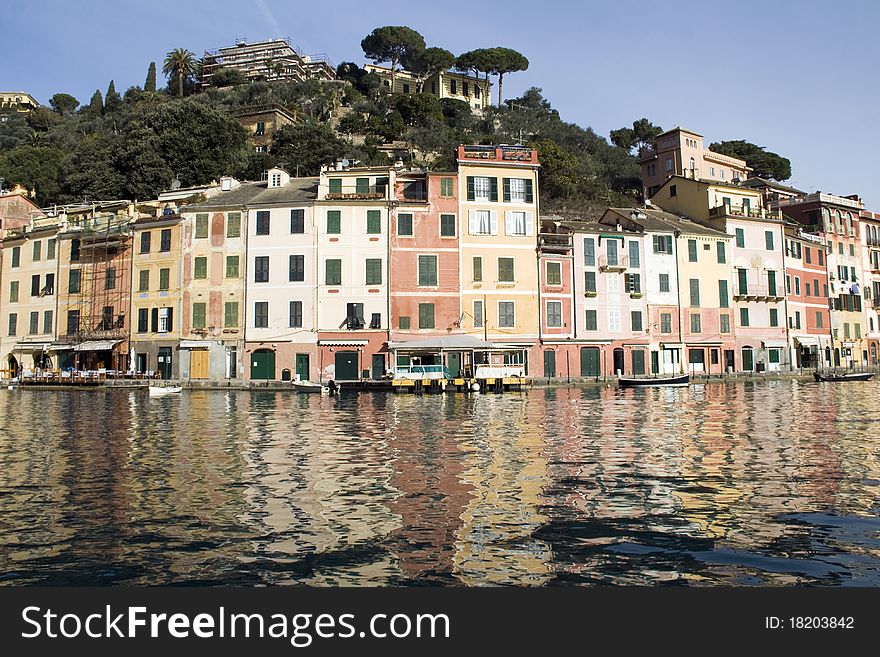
point(498, 192)
point(20, 101)
point(444, 84)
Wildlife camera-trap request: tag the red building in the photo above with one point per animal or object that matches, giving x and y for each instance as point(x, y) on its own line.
point(806, 283)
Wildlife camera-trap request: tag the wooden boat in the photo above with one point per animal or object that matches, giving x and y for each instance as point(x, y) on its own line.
point(847, 376)
point(311, 388)
point(161, 391)
point(648, 382)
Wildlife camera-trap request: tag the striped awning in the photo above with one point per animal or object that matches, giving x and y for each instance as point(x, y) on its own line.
point(32, 346)
point(343, 343)
point(97, 345)
point(195, 344)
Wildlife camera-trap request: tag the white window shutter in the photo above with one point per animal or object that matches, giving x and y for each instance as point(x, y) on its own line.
point(493, 222)
point(473, 222)
point(529, 229)
point(509, 228)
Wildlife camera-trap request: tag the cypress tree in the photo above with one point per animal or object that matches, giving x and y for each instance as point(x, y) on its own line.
point(96, 105)
point(150, 84)
point(111, 98)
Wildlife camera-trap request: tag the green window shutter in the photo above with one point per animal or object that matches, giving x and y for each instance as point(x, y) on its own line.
point(743, 316)
point(695, 292)
point(740, 238)
point(478, 268)
point(230, 314)
point(692, 250)
point(768, 239)
point(164, 276)
point(201, 225)
point(724, 301)
point(589, 281)
point(506, 185)
point(427, 270)
point(374, 271)
point(50, 254)
point(334, 222)
point(232, 266)
point(233, 224)
point(403, 323)
point(333, 272)
point(446, 188)
point(201, 267)
point(426, 315)
point(404, 224)
point(493, 189)
point(374, 222)
point(362, 186)
point(447, 225)
point(335, 185)
point(470, 189)
point(73, 282)
point(198, 315)
point(530, 196)
point(144, 280)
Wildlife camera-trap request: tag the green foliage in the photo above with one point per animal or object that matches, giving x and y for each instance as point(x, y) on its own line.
point(96, 104)
point(425, 63)
point(227, 77)
point(150, 83)
point(35, 167)
point(503, 61)
point(309, 146)
point(642, 134)
point(112, 100)
point(180, 64)
point(417, 109)
point(14, 130)
point(765, 164)
point(63, 104)
point(457, 113)
point(392, 44)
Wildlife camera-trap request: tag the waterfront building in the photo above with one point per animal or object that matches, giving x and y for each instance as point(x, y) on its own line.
point(352, 216)
point(28, 297)
point(277, 60)
point(756, 255)
point(556, 272)
point(156, 294)
point(498, 211)
point(681, 152)
point(282, 274)
point(806, 284)
point(870, 222)
point(770, 189)
point(17, 210)
point(836, 220)
point(467, 88)
point(213, 284)
point(94, 285)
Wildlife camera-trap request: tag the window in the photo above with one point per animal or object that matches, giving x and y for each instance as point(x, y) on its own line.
point(427, 274)
point(611, 251)
point(517, 223)
point(722, 253)
point(297, 222)
point(144, 280)
point(612, 283)
point(374, 222)
point(633, 283)
point(354, 315)
point(50, 249)
point(695, 292)
point(110, 278)
point(447, 225)
point(664, 282)
point(743, 316)
point(373, 274)
point(773, 355)
point(165, 320)
point(852, 250)
point(145, 242)
point(742, 276)
point(723, 299)
point(613, 319)
point(815, 287)
point(692, 250)
point(453, 87)
point(554, 273)
point(72, 322)
point(858, 330)
point(295, 319)
point(73, 281)
point(673, 191)
point(636, 320)
point(669, 164)
point(35, 285)
point(403, 323)
point(846, 334)
point(335, 185)
point(818, 319)
point(821, 256)
point(807, 255)
point(262, 222)
point(663, 244)
point(232, 266)
point(482, 188)
point(200, 267)
point(230, 314)
point(201, 226)
point(296, 266)
point(665, 323)
point(589, 281)
point(797, 285)
point(478, 269)
point(840, 248)
point(260, 129)
point(590, 321)
point(74, 252)
point(740, 238)
point(482, 222)
point(165, 240)
point(334, 222)
point(261, 314)
point(797, 320)
point(426, 315)
point(376, 320)
point(768, 239)
point(518, 190)
point(505, 314)
point(106, 318)
point(49, 287)
point(34, 324)
point(505, 270)
point(589, 252)
point(333, 272)
point(696, 324)
point(143, 320)
point(554, 314)
point(771, 283)
point(634, 255)
point(198, 315)
point(405, 224)
point(725, 323)
point(446, 188)
point(774, 317)
point(261, 269)
point(13, 290)
point(478, 314)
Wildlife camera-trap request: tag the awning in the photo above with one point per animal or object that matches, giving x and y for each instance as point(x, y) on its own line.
point(807, 340)
point(61, 346)
point(442, 342)
point(195, 344)
point(343, 343)
point(97, 345)
point(774, 344)
point(32, 346)
point(708, 343)
point(672, 345)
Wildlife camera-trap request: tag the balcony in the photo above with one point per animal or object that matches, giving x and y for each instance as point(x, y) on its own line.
point(618, 263)
point(754, 292)
point(555, 242)
point(727, 210)
point(498, 153)
point(360, 193)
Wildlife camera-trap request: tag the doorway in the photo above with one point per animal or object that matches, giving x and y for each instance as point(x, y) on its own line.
point(618, 361)
point(748, 359)
point(589, 362)
point(142, 363)
point(165, 362)
point(378, 366)
point(549, 363)
point(346, 365)
point(302, 367)
point(263, 364)
point(198, 364)
point(453, 364)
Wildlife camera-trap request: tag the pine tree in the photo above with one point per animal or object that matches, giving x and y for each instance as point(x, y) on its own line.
point(150, 84)
point(96, 105)
point(111, 98)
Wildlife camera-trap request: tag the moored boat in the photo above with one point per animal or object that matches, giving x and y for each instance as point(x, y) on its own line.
point(161, 391)
point(648, 382)
point(312, 388)
point(846, 376)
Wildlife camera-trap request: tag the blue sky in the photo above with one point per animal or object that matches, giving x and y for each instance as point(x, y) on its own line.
point(796, 77)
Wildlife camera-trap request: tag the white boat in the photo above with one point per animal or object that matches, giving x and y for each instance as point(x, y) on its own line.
point(161, 391)
point(309, 387)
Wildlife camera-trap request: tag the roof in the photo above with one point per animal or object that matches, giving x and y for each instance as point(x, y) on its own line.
point(678, 128)
point(659, 221)
point(459, 341)
point(757, 182)
point(234, 198)
point(298, 190)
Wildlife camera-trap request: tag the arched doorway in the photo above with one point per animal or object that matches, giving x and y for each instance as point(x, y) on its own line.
point(12, 366)
point(836, 357)
point(618, 361)
point(748, 359)
point(873, 353)
point(827, 356)
point(263, 364)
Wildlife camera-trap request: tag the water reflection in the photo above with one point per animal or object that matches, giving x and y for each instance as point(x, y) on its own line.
point(750, 483)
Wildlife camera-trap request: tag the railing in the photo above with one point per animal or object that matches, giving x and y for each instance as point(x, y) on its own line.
point(620, 263)
point(352, 193)
point(758, 292)
point(501, 153)
point(422, 371)
point(822, 198)
point(499, 371)
point(727, 210)
point(563, 241)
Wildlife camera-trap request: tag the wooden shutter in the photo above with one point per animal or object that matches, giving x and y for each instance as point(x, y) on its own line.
point(506, 185)
point(656, 243)
point(154, 320)
point(493, 218)
point(470, 189)
point(493, 189)
point(530, 198)
point(169, 326)
point(473, 220)
point(529, 225)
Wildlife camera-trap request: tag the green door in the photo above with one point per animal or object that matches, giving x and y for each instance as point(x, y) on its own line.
point(748, 360)
point(263, 364)
point(378, 366)
point(453, 364)
point(638, 361)
point(347, 366)
point(589, 361)
point(549, 363)
point(302, 366)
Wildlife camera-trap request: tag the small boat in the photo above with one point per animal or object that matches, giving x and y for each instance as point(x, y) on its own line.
point(847, 376)
point(311, 388)
point(161, 391)
point(648, 382)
